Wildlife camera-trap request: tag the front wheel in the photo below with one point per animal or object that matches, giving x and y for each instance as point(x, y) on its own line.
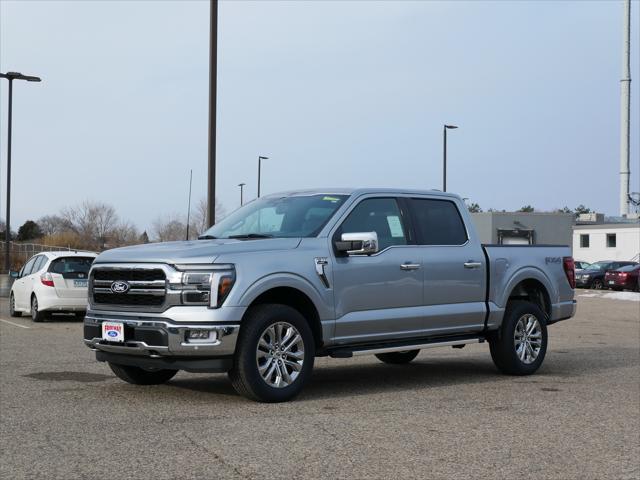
point(274, 354)
point(398, 358)
point(140, 376)
point(36, 314)
point(597, 284)
point(12, 307)
point(519, 347)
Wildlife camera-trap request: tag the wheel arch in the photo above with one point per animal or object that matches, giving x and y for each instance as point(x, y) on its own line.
point(534, 291)
point(296, 299)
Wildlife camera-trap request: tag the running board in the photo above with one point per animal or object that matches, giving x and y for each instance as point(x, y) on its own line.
point(345, 352)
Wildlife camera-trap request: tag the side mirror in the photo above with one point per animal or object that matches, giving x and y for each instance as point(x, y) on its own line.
point(361, 243)
point(14, 275)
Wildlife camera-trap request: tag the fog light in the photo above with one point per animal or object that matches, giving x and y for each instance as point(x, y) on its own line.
point(201, 335)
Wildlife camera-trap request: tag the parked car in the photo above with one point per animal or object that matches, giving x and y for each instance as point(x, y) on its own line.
point(581, 265)
point(338, 273)
point(624, 278)
point(51, 282)
point(593, 276)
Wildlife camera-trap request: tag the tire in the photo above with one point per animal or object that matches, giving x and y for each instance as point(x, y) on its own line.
point(12, 307)
point(139, 376)
point(597, 284)
point(398, 358)
point(36, 315)
point(504, 347)
point(267, 353)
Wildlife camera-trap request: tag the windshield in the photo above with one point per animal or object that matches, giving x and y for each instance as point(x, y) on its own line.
point(599, 266)
point(292, 216)
point(629, 268)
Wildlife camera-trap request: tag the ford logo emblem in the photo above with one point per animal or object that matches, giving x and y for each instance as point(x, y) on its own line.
point(120, 287)
point(112, 333)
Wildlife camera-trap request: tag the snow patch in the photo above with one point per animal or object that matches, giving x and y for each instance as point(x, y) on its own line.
point(631, 296)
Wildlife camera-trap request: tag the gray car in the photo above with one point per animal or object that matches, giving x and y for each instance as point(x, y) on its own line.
point(331, 272)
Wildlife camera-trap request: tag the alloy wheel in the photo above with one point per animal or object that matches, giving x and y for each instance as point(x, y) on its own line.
point(280, 354)
point(527, 338)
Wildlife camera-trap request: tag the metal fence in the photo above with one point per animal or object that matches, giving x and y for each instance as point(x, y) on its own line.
point(20, 252)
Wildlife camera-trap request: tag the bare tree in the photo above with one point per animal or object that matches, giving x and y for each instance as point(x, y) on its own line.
point(169, 228)
point(93, 221)
point(54, 224)
point(124, 233)
point(198, 222)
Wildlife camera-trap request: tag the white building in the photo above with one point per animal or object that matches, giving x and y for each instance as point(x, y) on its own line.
point(606, 241)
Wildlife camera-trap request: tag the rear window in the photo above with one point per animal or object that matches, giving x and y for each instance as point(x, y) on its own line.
point(71, 265)
point(629, 268)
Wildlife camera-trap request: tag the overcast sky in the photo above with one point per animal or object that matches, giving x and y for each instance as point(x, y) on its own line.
point(335, 93)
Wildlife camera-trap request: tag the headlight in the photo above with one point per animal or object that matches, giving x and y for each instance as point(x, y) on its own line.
point(202, 287)
point(585, 277)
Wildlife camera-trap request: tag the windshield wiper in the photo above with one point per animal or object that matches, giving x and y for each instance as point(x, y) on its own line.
point(251, 235)
point(207, 237)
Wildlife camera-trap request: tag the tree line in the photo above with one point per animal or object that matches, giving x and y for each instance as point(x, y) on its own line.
point(96, 226)
point(579, 210)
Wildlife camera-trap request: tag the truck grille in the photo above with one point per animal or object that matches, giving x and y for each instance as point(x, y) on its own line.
point(146, 287)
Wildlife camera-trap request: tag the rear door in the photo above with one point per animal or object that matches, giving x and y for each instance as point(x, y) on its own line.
point(69, 275)
point(453, 265)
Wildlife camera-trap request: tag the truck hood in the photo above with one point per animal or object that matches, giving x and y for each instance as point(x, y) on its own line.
point(196, 251)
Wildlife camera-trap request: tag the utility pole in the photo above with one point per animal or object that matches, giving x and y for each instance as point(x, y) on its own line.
point(241, 185)
point(444, 155)
point(189, 207)
point(213, 77)
point(260, 158)
point(625, 110)
point(11, 76)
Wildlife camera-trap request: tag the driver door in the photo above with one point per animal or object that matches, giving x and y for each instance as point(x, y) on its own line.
point(378, 296)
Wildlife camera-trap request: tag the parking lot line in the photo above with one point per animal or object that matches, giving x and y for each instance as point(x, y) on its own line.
point(14, 324)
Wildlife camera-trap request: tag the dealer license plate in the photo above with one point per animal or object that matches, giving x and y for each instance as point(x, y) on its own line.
point(79, 283)
point(113, 331)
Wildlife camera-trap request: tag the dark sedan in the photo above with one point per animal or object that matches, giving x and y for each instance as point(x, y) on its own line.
point(593, 276)
point(625, 278)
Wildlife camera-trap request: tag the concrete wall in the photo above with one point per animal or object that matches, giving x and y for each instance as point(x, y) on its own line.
point(548, 228)
point(627, 242)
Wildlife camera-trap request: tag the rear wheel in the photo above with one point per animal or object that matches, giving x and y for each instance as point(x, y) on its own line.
point(520, 346)
point(140, 376)
point(398, 358)
point(274, 354)
point(12, 307)
point(36, 314)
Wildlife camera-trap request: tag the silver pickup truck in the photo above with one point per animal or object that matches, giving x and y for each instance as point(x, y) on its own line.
point(335, 272)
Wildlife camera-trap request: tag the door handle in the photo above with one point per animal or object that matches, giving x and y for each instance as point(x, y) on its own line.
point(410, 266)
point(471, 264)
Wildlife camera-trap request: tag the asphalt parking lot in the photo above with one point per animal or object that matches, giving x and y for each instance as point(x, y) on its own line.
point(449, 414)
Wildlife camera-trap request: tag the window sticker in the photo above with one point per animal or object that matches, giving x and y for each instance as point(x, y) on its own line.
point(395, 226)
point(331, 199)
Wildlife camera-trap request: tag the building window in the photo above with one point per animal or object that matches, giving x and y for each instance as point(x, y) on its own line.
point(584, 240)
point(611, 240)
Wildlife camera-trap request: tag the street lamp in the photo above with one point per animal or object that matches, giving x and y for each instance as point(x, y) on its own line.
point(241, 185)
point(444, 156)
point(11, 76)
point(260, 158)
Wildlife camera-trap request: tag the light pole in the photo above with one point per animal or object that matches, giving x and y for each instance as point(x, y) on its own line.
point(260, 158)
point(11, 76)
point(241, 185)
point(444, 156)
point(211, 135)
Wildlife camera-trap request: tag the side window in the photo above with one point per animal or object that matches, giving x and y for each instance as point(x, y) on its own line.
point(28, 267)
point(39, 263)
point(380, 215)
point(438, 222)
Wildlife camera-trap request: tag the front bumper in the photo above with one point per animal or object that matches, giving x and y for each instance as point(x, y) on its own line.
point(158, 336)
